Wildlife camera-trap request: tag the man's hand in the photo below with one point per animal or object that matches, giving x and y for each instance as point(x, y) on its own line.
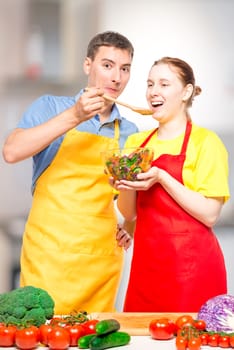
point(89, 104)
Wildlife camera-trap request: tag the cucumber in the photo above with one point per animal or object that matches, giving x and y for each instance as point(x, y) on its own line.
point(110, 340)
point(83, 342)
point(107, 326)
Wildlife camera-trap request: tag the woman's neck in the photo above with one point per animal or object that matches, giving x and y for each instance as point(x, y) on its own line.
point(171, 129)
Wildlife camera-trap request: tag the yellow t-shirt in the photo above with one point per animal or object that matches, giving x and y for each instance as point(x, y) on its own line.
point(206, 165)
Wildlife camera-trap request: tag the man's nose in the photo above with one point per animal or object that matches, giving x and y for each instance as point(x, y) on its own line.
point(116, 76)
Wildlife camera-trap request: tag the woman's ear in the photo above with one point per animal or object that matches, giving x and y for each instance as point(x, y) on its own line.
point(86, 65)
point(187, 92)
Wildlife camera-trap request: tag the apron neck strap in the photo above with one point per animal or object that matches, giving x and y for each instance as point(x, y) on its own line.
point(185, 142)
point(116, 126)
point(186, 137)
point(148, 138)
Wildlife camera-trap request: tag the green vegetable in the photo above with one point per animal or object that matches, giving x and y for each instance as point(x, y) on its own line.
point(83, 342)
point(107, 326)
point(124, 165)
point(26, 306)
point(109, 340)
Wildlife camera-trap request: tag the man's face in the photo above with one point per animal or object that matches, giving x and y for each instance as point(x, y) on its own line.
point(110, 70)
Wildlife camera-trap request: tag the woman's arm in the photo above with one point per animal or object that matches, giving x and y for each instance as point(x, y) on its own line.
point(206, 210)
point(126, 203)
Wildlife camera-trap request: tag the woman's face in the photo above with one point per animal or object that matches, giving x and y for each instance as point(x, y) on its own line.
point(165, 93)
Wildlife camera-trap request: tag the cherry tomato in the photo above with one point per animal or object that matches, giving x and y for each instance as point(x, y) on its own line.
point(27, 338)
point(184, 321)
point(194, 344)
point(89, 326)
point(204, 338)
point(162, 329)
point(231, 340)
point(181, 343)
point(58, 338)
point(7, 335)
point(199, 324)
point(57, 321)
point(213, 339)
point(45, 329)
point(75, 331)
point(224, 341)
point(188, 332)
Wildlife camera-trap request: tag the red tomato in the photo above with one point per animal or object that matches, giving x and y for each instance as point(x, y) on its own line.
point(7, 335)
point(194, 344)
point(44, 330)
point(57, 321)
point(204, 338)
point(181, 343)
point(89, 326)
point(75, 331)
point(199, 324)
point(224, 341)
point(162, 329)
point(58, 338)
point(27, 338)
point(184, 321)
point(213, 339)
point(231, 340)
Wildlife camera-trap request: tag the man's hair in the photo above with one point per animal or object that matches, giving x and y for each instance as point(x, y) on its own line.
point(109, 38)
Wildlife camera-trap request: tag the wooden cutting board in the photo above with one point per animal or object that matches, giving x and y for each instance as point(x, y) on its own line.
point(136, 323)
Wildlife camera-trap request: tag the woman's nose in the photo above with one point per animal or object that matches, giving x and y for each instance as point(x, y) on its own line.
point(153, 91)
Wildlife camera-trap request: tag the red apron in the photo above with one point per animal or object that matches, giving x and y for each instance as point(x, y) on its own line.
point(177, 262)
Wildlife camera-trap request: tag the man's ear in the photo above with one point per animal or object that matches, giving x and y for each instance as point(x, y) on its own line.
point(188, 92)
point(86, 65)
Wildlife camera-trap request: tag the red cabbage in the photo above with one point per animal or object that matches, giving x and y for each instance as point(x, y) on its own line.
point(218, 313)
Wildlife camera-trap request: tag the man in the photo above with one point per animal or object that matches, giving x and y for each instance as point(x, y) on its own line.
point(69, 244)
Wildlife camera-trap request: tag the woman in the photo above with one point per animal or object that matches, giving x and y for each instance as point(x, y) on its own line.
point(177, 262)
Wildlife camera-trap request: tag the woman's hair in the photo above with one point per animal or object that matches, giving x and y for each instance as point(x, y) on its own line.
point(185, 74)
point(109, 38)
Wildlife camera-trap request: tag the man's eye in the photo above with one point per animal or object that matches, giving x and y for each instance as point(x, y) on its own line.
point(126, 69)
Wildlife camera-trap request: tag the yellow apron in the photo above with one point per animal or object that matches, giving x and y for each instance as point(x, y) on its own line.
point(69, 244)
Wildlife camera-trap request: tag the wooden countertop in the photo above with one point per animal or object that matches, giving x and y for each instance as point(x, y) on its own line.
point(136, 323)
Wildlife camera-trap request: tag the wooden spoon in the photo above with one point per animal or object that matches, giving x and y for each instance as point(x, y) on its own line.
point(139, 110)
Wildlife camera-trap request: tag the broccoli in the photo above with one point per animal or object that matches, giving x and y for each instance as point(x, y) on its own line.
point(26, 306)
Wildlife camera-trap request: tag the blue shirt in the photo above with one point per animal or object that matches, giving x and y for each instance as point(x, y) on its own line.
point(48, 106)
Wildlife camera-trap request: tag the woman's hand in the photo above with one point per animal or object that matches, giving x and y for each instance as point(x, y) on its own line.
point(143, 183)
point(123, 238)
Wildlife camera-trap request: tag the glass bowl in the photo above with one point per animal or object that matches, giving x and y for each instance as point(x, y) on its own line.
point(126, 163)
